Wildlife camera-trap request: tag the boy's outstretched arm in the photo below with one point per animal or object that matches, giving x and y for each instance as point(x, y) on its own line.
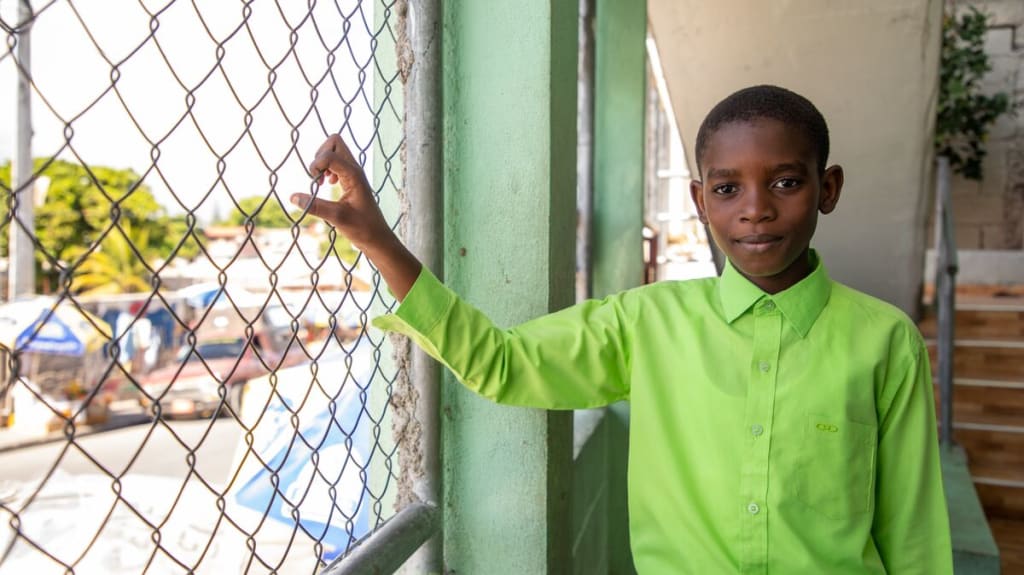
point(574, 358)
point(358, 217)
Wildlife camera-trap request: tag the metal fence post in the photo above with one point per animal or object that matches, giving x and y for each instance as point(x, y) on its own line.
point(21, 268)
point(426, 228)
point(585, 147)
point(945, 291)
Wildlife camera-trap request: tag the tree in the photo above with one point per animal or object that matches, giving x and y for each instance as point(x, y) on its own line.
point(965, 114)
point(336, 242)
point(81, 204)
point(113, 267)
point(267, 212)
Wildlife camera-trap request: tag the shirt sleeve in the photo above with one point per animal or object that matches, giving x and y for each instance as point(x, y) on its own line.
point(911, 523)
point(572, 359)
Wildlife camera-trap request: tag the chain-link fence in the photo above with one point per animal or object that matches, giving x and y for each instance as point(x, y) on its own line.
point(189, 382)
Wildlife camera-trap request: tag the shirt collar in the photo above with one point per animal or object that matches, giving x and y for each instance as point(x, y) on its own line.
point(800, 304)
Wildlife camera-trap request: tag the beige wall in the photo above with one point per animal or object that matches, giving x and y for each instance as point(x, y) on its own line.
point(990, 214)
point(871, 68)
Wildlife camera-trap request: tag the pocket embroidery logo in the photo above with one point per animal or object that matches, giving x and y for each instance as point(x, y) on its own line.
point(827, 427)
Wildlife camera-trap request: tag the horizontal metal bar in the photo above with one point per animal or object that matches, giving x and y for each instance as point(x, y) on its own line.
point(998, 482)
point(963, 381)
point(388, 547)
point(988, 427)
point(992, 343)
point(989, 306)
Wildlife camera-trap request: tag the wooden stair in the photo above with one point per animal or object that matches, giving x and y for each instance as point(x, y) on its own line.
point(988, 409)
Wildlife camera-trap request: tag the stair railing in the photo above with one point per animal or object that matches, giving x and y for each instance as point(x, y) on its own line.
point(946, 268)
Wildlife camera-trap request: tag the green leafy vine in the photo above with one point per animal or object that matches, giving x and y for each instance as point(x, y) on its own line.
point(965, 114)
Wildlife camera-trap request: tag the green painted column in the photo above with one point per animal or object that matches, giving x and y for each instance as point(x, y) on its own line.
point(620, 84)
point(510, 144)
point(620, 62)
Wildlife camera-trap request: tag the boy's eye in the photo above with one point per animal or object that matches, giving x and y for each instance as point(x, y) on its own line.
point(725, 189)
point(787, 183)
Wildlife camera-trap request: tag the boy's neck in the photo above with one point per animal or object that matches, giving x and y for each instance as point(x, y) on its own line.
point(787, 278)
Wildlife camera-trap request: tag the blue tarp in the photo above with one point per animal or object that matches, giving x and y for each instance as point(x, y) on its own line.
point(51, 334)
point(316, 476)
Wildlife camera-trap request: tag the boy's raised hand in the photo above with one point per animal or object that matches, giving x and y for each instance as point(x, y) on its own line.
point(357, 216)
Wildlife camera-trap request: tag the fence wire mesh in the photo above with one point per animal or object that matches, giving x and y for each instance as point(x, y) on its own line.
point(189, 383)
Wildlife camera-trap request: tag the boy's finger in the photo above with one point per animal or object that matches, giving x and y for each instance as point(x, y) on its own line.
point(323, 163)
point(300, 200)
point(317, 168)
point(331, 165)
point(318, 207)
point(332, 151)
point(338, 146)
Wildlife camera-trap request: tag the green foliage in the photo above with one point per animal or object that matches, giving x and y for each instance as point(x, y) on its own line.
point(964, 113)
point(266, 212)
point(114, 267)
point(341, 247)
point(5, 210)
point(335, 242)
point(167, 233)
point(81, 205)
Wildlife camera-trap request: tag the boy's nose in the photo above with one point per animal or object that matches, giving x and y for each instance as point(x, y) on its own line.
point(757, 206)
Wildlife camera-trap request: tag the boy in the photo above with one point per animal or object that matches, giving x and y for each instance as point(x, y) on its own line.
point(781, 422)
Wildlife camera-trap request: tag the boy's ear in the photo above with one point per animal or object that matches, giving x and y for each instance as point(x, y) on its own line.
point(831, 188)
point(697, 195)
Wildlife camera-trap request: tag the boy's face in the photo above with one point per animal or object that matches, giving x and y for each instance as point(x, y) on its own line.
point(760, 196)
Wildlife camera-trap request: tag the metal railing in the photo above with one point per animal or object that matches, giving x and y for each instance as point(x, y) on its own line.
point(391, 545)
point(271, 429)
point(946, 269)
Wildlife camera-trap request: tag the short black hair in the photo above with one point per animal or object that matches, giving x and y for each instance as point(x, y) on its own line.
point(767, 102)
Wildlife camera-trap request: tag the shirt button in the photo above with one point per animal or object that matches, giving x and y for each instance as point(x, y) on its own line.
point(764, 366)
point(769, 306)
point(754, 508)
point(756, 429)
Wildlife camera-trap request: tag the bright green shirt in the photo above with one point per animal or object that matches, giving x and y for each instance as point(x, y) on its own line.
point(787, 433)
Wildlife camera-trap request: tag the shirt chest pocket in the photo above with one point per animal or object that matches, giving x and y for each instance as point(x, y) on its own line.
point(836, 476)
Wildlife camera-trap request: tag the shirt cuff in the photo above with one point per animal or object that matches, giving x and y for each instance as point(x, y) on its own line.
point(426, 304)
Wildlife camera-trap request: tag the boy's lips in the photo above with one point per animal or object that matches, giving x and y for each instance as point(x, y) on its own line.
point(758, 243)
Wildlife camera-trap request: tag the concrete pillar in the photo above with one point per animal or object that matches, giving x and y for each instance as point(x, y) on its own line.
point(510, 160)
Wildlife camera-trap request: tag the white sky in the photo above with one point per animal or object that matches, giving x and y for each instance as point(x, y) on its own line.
point(71, 73)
